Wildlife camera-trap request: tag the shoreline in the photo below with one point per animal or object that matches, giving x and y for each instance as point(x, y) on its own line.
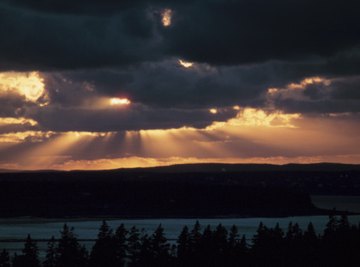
point(31, 219)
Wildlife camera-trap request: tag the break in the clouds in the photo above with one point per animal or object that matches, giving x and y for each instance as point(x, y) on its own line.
point(156, 82)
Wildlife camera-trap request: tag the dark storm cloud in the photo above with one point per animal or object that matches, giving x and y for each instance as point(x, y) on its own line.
point(132, 118)
point(93, 49)
point(13, 105)
point(94, 7)
point(247, 31)
point(87, 34)
point(74, 6)
point(340, 95)
point(37, 41)
point(320, 106)
point(346, 89)
point(65, 91)
point(167, 84)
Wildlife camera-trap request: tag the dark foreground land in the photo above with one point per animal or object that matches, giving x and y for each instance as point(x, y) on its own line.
point(200, 190)
point(199, 246)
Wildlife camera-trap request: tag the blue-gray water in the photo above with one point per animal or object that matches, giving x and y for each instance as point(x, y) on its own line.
point(88, 228)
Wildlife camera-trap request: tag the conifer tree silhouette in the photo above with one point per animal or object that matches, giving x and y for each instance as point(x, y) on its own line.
point(4, 259)
point(50, 259)
point(30, 255)
point(69, 252)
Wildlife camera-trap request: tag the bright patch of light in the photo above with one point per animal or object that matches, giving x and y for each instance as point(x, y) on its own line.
point(251, 117)
point(236, 107)
point(213, 111)
point(30, 136)
point(166, 15)
point(309, 81)
point(272, 91)
point(186, 64)
point(30, 85)
point(259, 117)
point(119, 101)
point(14, 121)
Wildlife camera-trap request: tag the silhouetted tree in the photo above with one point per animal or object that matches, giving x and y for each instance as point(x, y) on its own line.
point(50, 258)
point(69, 252)
point(103, 252)
point(310, 234)
point(30, 255)
point(268, 244)
point(338, 246)
point(134, 246)
point(233, 237)
point(243, 246)
point(331, 226)
point(343, 223)
point(220, 245)
point(235, 245)
point(220, 239)
point(145, 256)
point(160, 247)
point(183, 246)
point(206, 240)
point(17, 260)
point(278, 233)
point(260, 236)
point(195, 236)
point(4, 258)
point(120, 245)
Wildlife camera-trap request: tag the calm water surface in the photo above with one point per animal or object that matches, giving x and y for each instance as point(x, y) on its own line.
point(86, 228)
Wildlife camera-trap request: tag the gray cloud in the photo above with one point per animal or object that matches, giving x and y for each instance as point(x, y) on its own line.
point(92, 34)
point(167, 84)
point(348, 88)
point(132, 118)
point(40, 41)
point(85, 7)
point(339, 95)
point(91, 49)
point(12, 105)
point(248, 31)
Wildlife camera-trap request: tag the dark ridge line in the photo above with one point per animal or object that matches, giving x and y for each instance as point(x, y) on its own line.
point(212, 167)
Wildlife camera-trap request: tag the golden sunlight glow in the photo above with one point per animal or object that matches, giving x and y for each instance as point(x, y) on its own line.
point(12, 121)
point(253, 136)
point(186, 64)
point(308, 81)
point(57, 147)
point(259, 117)
point(119, 101)
point(136, 162)
point(272, 91)
point(179, 142)
point(19, 137)
point(166, 15)
point(213, 111)
point(236, 107)
point(30, 85)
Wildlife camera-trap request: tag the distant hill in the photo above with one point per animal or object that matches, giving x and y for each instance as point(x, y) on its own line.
point(220, 167)
point(190, 190)
point(10, 171)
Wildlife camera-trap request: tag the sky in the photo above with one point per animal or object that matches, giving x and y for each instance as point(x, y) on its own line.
point(101, 84)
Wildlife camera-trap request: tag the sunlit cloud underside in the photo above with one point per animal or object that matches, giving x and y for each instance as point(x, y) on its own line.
point(253, 135)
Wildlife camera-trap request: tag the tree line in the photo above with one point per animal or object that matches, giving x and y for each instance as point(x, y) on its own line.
point(338, 245)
